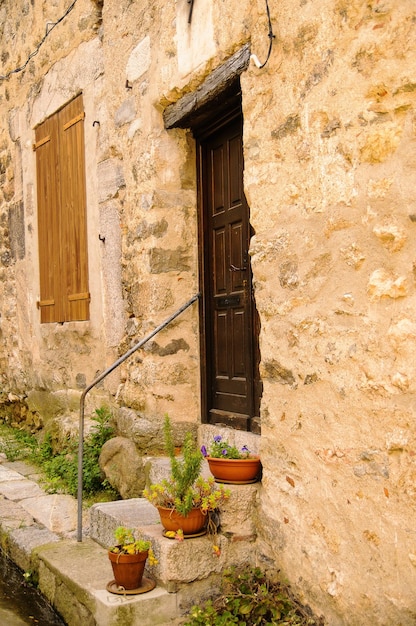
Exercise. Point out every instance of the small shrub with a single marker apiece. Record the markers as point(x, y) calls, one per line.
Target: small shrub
point(249, 599)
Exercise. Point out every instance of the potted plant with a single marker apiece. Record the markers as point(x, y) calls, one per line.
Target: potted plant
point(185, 501)
point(228, 464)
point(128, 559)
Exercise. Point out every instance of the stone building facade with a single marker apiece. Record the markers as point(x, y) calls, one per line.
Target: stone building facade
point(323, 96)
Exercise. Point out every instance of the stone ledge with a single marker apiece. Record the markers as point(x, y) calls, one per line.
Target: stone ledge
point(74, 576)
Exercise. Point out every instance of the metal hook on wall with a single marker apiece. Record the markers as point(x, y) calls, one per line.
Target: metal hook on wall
point(191, 2)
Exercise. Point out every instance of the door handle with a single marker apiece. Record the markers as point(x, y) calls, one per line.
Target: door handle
point(233, 268)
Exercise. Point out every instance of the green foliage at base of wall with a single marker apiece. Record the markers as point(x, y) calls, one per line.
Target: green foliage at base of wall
point(60, 469)
point(248, 598)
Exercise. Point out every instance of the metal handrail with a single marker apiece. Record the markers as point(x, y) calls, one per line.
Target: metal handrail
point(98, 380)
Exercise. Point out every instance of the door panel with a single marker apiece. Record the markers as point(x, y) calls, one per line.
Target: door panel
point(230, 329)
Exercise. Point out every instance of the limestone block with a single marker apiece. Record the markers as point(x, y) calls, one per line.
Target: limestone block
point(157, 608)
point(23, 541)
point(122, 466)
point(8, 474)
point(237, 438)
point(161, 260)
point(378, 188)
point(381, 143)
point(110, 179)
point(196, 44)
point(17, 231)
point(58, 512)
point(45, 403)
point(13, 515)
point(68, 76)
point(391, 236)
point(125, 113)
point(402, 332)
point(145, 434)
point(401, 381)
point(20, 489)
point(15, 124)
point(397, 439)
point(237, 515)
point(86, 565)
point(383, 285)
point(186, 561)
point(157, 469)
point(105, 517)
point(139, 60)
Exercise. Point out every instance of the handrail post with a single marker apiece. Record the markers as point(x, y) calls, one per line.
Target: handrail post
point(98, 380)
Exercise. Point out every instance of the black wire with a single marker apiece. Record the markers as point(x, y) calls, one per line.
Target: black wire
point(270, 35)
point(49, 29)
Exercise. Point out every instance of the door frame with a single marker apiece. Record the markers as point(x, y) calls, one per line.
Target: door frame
point(201, 110)
point(231, 111)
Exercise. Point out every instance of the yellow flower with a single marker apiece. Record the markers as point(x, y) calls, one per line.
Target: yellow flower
point(216, 550)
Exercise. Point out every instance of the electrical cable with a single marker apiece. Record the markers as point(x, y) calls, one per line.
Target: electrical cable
point(271, 36)
point(49, 28)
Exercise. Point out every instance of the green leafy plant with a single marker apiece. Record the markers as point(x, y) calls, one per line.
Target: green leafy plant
point(61, 468)
point(248, 598)
point(17, 444)
point(185, 488)
point(204, 494)
point(31, 578)
point(221, 449)
point(127, 543)
point(184, 472)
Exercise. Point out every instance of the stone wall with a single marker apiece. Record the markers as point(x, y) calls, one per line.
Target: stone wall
point(329, 148)
point(330, 166)
point(44, 367)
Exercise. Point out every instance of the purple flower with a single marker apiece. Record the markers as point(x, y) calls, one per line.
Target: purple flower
point(204, 451)
point(224, 452)
point(217, 438)
point(245, 449)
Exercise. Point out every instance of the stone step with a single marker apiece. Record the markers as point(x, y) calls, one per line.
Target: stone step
point(74, 576)
point(39, 535)
point(193, 559)
point(189, 569)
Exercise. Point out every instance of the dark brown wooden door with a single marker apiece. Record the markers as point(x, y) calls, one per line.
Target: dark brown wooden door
point(230, 317)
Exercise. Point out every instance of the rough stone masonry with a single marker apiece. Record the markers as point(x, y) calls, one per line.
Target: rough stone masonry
point(329, 174)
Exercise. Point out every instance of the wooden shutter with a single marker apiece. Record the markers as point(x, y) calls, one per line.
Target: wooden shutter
point(74, 219)
point(62, 224)
point(47, 175)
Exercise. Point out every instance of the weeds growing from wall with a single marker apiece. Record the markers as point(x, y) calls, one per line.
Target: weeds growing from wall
point(60, 469)
point(248, 598)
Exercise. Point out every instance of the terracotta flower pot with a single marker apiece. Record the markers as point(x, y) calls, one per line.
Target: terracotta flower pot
point(192, 524)
point(128, 569)
point(235, 470)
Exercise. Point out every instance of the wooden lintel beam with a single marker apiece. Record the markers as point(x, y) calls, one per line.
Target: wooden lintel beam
point(177, 115)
